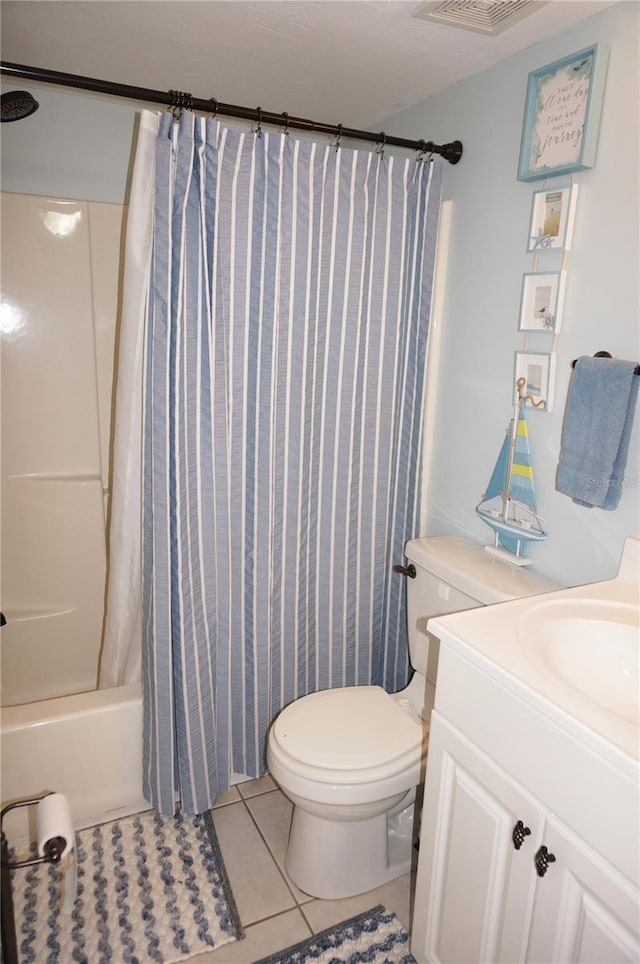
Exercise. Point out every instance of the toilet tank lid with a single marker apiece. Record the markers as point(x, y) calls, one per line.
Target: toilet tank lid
point(467, 567)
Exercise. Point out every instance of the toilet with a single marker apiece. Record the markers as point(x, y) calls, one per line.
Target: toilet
point(350, 759)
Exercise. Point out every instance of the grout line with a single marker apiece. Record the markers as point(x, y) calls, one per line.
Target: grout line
point(221, 806)
point(271, 853)
point(306, 920)
point(259, 793)
point(289, 910)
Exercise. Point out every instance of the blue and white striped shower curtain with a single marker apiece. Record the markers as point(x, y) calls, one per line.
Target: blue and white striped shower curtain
point(287, 326)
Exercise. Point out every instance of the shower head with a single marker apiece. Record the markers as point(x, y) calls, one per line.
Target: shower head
point(17, 104)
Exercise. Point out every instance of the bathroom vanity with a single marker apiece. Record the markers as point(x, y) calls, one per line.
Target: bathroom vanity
point(530, 837)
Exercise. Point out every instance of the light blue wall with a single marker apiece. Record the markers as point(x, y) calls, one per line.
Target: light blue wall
point(486, 264)
point(74, 146)
point(79, 146)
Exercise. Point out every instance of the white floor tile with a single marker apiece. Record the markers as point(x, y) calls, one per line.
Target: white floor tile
point(395, 896)
point(253, 787)
point(261, 939)
point(258, 886)
point(256, 872)
point(272, 813)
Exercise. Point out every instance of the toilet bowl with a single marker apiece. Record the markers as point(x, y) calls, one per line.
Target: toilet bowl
point(350, 759)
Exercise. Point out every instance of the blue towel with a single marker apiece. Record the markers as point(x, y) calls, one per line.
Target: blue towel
point(597, 427)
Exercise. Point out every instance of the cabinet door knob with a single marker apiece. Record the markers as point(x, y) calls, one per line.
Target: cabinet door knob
point(519, 833)
point(542, 860)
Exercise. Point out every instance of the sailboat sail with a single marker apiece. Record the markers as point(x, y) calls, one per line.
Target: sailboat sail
point(521, 470)
point(500, 469)
point(509, 504)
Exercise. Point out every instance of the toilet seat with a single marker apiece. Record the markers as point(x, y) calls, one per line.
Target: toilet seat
point(355, 734)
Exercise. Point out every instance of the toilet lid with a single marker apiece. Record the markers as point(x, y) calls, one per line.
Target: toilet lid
point(350, 728)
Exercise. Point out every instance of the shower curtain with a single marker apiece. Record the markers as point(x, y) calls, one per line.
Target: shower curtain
point(120, 658)
point(286, 331)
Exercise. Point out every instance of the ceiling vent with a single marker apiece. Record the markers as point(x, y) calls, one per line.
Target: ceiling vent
point(482, 16)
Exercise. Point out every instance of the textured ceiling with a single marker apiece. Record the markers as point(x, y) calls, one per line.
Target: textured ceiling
point(353, 62)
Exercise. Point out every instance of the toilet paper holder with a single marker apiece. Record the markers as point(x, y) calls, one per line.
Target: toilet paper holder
point(53, 849)
point(52, 854)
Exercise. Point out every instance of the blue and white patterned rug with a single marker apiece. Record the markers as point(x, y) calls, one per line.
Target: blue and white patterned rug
point(374, 937)
point(149, 888)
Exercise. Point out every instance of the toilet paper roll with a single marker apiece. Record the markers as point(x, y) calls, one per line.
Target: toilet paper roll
point(53, 819)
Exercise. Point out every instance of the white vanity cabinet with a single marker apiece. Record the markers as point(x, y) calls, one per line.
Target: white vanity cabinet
point(501, 762)
point(474, 882)
point(584, 910)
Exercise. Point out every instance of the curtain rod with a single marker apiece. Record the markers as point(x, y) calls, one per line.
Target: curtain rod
point(451, 152)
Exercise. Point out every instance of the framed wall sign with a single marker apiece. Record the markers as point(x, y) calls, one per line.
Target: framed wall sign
point(553, 212)
point(562, 115)
point(541, 301)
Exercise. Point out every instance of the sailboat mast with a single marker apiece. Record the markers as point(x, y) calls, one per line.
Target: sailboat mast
point(512, 448)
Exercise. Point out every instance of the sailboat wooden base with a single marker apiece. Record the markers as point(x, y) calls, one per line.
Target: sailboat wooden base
point(508, 556)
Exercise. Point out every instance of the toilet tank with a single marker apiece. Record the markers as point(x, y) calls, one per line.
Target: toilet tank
point(454, 574)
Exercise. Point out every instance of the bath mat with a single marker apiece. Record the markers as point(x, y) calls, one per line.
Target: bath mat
point(150, 888)
point(374, 937)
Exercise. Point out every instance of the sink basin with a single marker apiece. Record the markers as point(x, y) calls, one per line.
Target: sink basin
point(592, 645)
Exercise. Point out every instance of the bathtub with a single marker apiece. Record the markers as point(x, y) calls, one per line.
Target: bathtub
point(87, 746)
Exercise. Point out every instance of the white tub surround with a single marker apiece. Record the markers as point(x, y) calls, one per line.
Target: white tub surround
point(58, 309)
point(530, 828)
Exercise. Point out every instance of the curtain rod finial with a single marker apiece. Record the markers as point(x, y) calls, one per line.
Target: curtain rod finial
point(452, 151)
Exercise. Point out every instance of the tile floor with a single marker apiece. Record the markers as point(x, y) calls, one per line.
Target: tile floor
point(252, 822)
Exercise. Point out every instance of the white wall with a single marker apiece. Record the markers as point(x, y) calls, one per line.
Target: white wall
point(487, 259)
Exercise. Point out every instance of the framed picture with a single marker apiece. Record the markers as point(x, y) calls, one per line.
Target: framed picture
point(553, 212)
point(541, 301)
point(562, 115)
point(538, 370)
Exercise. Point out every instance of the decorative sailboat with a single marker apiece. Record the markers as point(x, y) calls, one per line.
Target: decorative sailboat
point(509, 504)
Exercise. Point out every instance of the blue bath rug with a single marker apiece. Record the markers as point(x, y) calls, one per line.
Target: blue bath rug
point(374, 937)
point(150, 888)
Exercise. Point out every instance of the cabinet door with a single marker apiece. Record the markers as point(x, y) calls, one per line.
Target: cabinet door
point(474, 889)
point(585, 911)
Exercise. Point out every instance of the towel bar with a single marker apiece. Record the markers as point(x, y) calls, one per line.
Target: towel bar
point(605, 354)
